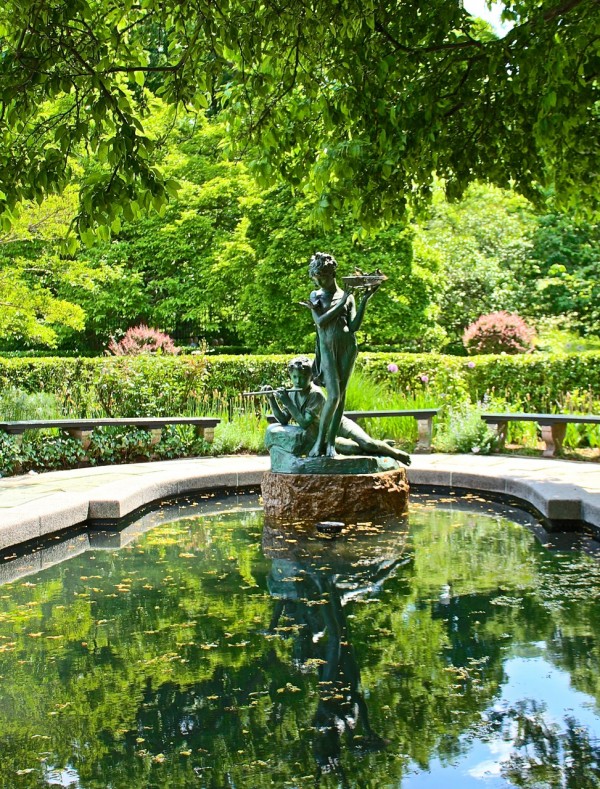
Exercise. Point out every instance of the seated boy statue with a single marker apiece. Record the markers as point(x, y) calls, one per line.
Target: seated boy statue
point(303, 405)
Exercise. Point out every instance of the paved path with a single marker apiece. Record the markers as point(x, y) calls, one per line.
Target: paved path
point(37, 504)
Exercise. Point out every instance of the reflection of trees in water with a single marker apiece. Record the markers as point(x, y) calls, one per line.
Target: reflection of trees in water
point(181, 661)
point(546, 754)
point(311, 587)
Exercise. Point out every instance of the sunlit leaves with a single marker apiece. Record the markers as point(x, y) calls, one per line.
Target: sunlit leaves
point(422, 89)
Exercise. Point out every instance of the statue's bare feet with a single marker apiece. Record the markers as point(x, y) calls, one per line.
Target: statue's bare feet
point(330, 451)
point(316, 451)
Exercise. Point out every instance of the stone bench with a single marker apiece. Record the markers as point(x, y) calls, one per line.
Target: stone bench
point(553, 427)
point(82, 429)
point(423, 417)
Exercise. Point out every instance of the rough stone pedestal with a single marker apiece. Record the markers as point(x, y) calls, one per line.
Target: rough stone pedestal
point(322, 497)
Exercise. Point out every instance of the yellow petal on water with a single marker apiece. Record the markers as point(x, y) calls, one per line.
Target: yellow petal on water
point(34, 635)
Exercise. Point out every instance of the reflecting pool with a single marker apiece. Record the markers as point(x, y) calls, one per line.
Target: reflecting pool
point(201, 647)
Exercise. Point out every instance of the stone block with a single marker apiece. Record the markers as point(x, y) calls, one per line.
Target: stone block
point(67, 510)
point(322, 497)
point(209, 480)
point(478, 482)
point(18, 527)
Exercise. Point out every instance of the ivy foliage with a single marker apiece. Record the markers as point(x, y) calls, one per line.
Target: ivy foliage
point(357, 102)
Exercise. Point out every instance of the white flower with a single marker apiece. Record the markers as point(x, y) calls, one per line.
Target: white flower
point(475, 450)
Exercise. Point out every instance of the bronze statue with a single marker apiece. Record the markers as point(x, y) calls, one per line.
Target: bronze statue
point(305, 404)
point(337, 318)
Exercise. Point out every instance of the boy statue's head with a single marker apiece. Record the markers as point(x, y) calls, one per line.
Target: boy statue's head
point(300, 370)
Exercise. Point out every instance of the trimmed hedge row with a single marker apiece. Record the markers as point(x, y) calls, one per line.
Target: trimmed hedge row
point(161, 385)
point(533, 382)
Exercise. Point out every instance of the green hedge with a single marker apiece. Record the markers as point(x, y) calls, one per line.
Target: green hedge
point(161, 385)
point(533, 382)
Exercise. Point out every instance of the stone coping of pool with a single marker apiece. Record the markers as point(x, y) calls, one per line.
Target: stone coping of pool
point(35, 505)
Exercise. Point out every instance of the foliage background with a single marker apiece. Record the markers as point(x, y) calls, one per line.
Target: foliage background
point(165, 386)
point(225, 261)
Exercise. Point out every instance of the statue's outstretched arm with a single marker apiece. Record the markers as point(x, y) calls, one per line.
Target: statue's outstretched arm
point(356, 320)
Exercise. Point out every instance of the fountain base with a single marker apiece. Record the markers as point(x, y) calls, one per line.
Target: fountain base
point(330, 496)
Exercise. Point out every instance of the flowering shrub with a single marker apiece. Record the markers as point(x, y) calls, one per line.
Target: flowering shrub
point(499, 332)
point(141, 339)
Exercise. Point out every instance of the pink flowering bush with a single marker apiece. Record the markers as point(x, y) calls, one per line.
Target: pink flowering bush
point(499, 332)
point(141, 339)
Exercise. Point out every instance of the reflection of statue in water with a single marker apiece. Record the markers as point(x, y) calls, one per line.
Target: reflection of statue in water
point(305, 404)
point(337, 319)
point(311, 592)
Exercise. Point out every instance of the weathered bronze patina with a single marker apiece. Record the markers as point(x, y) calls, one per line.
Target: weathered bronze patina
point(322, 463)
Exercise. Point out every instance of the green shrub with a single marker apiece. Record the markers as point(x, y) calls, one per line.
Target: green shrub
point(16, 405)
point(196, 384)
point(365, 394)
point(244, 432)
point(10, 455)
point(463, 430)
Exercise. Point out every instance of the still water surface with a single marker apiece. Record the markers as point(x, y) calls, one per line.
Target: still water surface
point(451, 649)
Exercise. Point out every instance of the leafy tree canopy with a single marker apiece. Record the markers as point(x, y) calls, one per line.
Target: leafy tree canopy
point(358, 102)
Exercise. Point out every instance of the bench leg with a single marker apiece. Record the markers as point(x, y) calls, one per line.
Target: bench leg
point(155, 436)
point(207, 433)
point(553, 436)
point(83, 436)
point(424, 427)
point(500, 428)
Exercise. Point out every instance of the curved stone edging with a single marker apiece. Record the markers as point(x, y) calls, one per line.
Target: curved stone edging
point(559, 490)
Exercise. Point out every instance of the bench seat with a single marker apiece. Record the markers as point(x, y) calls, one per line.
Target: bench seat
point(82, 428)
point(424, 418)
point(553, 426)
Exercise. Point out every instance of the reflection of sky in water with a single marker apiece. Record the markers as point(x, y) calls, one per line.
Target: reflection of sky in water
point(526, 678)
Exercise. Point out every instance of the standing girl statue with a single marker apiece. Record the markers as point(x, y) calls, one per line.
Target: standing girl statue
point(337, 319)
